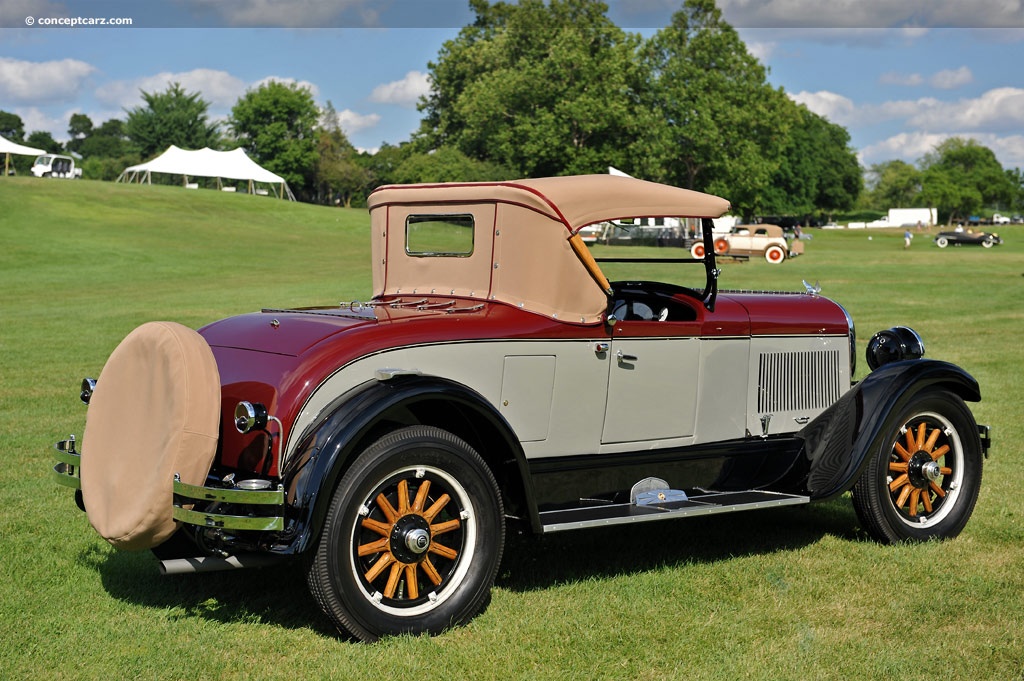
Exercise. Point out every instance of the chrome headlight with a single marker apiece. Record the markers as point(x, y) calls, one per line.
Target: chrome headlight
point(250, 416)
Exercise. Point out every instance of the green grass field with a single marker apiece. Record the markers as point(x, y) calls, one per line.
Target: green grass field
point(784, 594)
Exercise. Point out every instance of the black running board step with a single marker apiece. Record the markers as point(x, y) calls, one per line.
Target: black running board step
point(703, 504)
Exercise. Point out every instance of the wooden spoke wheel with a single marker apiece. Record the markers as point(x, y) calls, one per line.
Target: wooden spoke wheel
point(413, 537)
point(924, 483)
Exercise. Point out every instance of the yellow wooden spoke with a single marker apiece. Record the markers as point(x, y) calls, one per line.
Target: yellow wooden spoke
point(898, 467)
point(922, 430)
point(383, 529)
point(443, 551)
point(446, 526)
point(940, 452)
point(946, 471)
point(378, 567)
point(373, 547)
point(403, 497)
point(392, 585)
point(430, 571)
point(412, 588)
point(932, 439)
point(911, 442)
point(903, 496)
point(421, 497)
point(436, 508)
point(903, 453)
point(938, 490)
point(926, 499)
point(387, 508)
point(899, 482)
point(915, 499)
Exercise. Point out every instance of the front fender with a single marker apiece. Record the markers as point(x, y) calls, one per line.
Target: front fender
point(351, 423)
point(840, 441)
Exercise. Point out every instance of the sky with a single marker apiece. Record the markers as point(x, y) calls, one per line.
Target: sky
point(900, 75)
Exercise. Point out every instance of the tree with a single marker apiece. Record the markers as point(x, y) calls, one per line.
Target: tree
point(894, 184)
point(448, 164)
point(41, 139)
point(276, 125)
point(960, 176)
point(818, 172)
point(543, 88)
point(721, 127)
point(79, 128)
point(11, 126)
point(170, 117)
point(338, 174)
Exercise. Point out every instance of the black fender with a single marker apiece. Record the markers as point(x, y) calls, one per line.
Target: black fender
point(840, 441)
point(352, 422)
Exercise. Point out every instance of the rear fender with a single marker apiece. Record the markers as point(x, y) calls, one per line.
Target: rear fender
point(838, 443)
point(358, 418)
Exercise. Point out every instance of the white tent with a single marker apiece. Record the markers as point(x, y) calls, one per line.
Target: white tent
point(7, 147)
point(228, 165)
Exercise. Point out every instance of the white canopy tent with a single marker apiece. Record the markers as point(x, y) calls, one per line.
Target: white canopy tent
point(206, 162)
point(7, 147)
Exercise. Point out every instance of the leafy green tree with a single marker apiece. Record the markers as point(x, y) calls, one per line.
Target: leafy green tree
point(382, 164)
point(961, 176)
point(721, 127)
point(170, 117)
point(542, 88)
point(1016, 180)
point(818, 172)
point(276, 125)
point(106, 141)
point(41, 139)
point(79, 128)
point(339, 176)
point(11, 126)
point(894, 184)
point(448, 164)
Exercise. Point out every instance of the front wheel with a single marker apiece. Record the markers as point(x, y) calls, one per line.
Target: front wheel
point(697, 251)
point(413, 537)
point(775, 254)
point(987, 243)
point(923, 482)
point(942, 242)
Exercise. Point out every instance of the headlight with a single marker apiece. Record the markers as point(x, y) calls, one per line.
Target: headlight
point(894, 345)
point(250, 416)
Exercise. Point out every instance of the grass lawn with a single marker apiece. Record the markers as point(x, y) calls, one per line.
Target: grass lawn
point(796, 593)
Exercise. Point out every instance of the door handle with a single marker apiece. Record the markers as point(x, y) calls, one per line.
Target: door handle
point(625, 358)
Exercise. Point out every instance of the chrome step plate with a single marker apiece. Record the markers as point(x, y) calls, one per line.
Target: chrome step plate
point(699, 504)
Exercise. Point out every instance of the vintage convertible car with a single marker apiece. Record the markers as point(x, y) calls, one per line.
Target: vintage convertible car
point(969, 238)
point(767, 241)
point(496, 377)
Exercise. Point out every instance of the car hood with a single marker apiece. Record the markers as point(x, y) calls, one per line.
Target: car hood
point(285, 332)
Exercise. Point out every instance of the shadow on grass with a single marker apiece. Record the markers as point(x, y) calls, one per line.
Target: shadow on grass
point(538, 562)
point(278, 595)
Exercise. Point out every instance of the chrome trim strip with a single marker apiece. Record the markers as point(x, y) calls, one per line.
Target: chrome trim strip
point(269, 497)
point(228, 522)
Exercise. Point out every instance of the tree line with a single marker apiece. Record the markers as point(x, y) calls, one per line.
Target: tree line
point(553, 87)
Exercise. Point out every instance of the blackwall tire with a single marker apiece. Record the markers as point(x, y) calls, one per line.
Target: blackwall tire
point(923, 481)
point(697, 251)
point(413, 537)
point(775, 254)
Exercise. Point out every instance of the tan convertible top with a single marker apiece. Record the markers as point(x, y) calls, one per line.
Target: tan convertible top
point(526, 249)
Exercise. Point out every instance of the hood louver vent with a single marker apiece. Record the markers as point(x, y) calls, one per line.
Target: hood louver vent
point(797, 381)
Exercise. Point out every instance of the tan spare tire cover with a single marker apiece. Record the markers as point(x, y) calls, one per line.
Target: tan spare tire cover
point(155, 412)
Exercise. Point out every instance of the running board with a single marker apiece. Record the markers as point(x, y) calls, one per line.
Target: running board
point(703, 504)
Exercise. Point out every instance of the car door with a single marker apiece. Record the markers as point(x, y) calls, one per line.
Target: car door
point(653, 380)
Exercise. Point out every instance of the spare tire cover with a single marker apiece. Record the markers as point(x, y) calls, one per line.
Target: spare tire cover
point(155, 412)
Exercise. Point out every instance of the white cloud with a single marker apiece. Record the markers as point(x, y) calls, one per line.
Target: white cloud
point(952, 78)
point(834, 107)
point(353, 122)
point(761, 50)
point(292, 14)
point(313, 89)
point(911, 16)
point(405, 92)
point(896, 78)
point(47, 81)
point(910, 147)
point(219, 88)
point(1001, 109)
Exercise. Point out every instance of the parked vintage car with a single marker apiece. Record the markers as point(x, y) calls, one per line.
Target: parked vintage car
point(767, 241)
point(497, 377)
point(967, 238)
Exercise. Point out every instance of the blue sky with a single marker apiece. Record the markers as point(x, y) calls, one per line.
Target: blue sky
point(900, 75)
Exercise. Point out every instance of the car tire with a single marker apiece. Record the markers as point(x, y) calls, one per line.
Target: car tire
point(987, 243)
point(923, 481)
point(775, 254)
point(942, 242)
point(721, 246)
point(697, 251)
point(413, 537)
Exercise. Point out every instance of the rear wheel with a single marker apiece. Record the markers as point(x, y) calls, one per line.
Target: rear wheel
point(697, 251)
point(775, 254)
point(987, 243)
point(413, 537)
point(721, 246)
point(942, 242)
point(924, 481)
